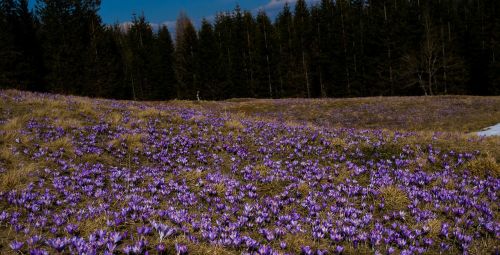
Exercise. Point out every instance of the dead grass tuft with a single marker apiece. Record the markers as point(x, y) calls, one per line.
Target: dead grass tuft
point(192, 176)
point(360, 250)
point(202, 249)
point(88, 226)
point(434, 227)
point(68, 123)
point(15, 124)
point(220, 188)
point(483, 167)
point(7, 155)
point(296, 242)
point(304, 189)
point(484, 246)
point(115, 118)
point(95, 158)
point(234, 125)
point(133, 141)
point(64, 143)
point(262, 170)
point(86, 108)
point(17, 176)
point(339, 142)
point(394, 198)
point(148, 113)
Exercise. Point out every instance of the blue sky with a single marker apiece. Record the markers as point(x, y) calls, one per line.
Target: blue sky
point(166, 11)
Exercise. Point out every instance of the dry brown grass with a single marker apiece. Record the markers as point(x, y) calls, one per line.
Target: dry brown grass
point(6, 154)
point(304, 189)
point(220, 188)
point(203, 249)
point(115, 118)
point(484, 166)
point(437, 113)
point(394, 198)
point(297, 241)
point(88, 226)
point(64, 143)
point(149, 113)
point(484, 246)
point(360, 250)
point(94, 158)
point(133, 141)
point(234, 125)
point(262, 170)
point(18, 176)
point(434, 227)
point(15, 124)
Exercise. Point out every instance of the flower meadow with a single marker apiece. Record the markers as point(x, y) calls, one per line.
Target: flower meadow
point(91, 176)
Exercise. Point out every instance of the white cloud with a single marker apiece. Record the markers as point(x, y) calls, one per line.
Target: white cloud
point(170, 24)
point(278, 3)
point(274, 4)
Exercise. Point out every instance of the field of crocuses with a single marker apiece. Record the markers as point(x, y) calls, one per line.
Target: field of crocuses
point(92, 176)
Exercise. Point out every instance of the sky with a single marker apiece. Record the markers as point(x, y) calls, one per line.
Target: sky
point(165, 12)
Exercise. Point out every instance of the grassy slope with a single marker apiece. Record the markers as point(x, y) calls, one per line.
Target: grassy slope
point(456, 117)
point(453, 116)
point(440, 113)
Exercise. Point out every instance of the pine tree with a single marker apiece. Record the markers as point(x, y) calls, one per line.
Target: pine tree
point(249, 53)
point(222, 31)
point(9, 55)
point(65, 36)
point(164, 68)
point(108, 66)
point(326, 48)
point(301, 42)
point(30, 65)
point(265, 62)
point(208, 63)
point(495, 49)
point(284, 35)
point(141, 41)
point(238, 78)
point(185, 58)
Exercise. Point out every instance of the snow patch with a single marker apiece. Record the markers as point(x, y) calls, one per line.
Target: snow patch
point(490, 131)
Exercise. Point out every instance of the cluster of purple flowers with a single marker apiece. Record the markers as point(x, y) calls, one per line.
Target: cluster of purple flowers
point(268, 188)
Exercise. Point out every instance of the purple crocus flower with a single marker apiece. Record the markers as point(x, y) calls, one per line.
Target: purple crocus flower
point(57, 243)
point(16, 245)
point(181, 249)
point(161, 249)
point(283, 245)
point(306, 250)
point(339, 249)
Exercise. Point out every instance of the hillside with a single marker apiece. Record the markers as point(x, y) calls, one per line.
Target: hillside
point(296, 176)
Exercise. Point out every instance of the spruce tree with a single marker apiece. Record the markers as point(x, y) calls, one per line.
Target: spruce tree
point(238, 78)
point(65, 41)
point(164, 68)
point(141, 41)
point(222, 33)
point(301, 42)
point(208, 63)
point(30, 64)
point(185, 58)
point(8, 55)
point(265, 62)
point(284, 36)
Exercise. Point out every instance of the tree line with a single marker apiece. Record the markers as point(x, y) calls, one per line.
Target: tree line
point(342, 48)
